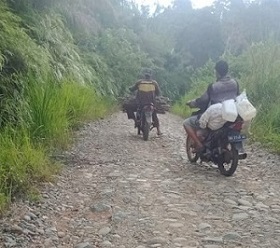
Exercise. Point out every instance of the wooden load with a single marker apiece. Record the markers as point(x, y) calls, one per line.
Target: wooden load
point(162, 104)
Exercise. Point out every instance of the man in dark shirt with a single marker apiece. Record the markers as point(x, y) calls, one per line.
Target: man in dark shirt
point(224, 88)
point(147, 90)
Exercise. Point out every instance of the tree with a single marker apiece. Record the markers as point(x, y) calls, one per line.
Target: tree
point(201, 39)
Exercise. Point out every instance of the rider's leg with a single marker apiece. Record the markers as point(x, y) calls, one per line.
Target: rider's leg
point(191, 132)
point(130, 114)
point(190, 126)
point(138, 115)
point(156, 123)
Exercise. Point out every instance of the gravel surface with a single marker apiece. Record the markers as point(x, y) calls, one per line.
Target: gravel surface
point(117, 190)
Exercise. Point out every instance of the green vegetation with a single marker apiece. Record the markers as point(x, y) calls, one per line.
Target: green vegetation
point(55, 109)
point(63, 63)
point(22, 163)
point(48, 116)
point(261, 80)
point(46, 90)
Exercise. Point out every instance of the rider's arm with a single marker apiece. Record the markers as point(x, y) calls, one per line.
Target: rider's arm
point(191, 104)
point(202, 101)
point(134, 87)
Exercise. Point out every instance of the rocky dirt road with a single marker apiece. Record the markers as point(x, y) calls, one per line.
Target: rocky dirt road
point(118, 191)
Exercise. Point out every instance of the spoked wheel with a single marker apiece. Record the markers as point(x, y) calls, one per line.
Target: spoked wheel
point(229, 160)
point(190, 149)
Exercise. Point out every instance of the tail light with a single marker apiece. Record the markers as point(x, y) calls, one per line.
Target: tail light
point(237, 125)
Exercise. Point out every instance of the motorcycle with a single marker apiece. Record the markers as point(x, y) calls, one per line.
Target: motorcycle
point(223, 147)
point(144, 121)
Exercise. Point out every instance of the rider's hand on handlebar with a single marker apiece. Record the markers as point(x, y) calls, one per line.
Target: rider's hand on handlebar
point(189, 103)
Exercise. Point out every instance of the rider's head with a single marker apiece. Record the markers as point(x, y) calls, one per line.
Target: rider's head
point(221, 68)
point(148, 74)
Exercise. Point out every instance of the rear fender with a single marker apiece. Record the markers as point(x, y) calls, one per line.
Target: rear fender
point(239, 147)
point(148, 117)
point(148, 112)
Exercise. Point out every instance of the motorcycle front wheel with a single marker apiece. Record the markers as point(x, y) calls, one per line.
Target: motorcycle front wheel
point(228, 161)
point(192, 155)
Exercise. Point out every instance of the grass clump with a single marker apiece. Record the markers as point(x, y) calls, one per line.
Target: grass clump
point(47, 117)
point(261, 80)
point(22, 164)
point(54, 109)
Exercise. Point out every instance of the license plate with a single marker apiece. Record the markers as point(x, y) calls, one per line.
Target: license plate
point(236, 137)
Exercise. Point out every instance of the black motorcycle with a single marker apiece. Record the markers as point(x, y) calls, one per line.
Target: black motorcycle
point(223, 147)
point(144, 121)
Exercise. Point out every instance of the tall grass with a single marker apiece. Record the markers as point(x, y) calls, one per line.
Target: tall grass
point(261, 80)
point(50, 113)
point(22, 164)
point(56, 108)
point(37, 114)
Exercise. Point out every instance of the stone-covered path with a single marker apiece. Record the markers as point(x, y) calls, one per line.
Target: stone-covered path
point(117, 190)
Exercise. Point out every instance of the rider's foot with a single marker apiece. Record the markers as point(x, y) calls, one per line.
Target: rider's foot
point(159, 133)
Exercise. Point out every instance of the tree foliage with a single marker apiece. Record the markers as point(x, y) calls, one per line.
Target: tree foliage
point(106, 42)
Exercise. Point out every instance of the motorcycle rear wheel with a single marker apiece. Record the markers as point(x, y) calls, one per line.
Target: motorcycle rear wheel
point(146, 130)
point(192, 156)
point(228, 165)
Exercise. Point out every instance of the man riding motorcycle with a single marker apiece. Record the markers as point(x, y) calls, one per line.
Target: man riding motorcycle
point(224, 88)
point(147, 90)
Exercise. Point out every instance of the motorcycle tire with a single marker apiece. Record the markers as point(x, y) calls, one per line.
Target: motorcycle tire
point(233, 161)
point(146, 130)
point(192, 156)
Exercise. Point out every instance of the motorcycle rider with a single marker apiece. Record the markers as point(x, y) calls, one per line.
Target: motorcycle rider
point(224, 88)
point(147, 90)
